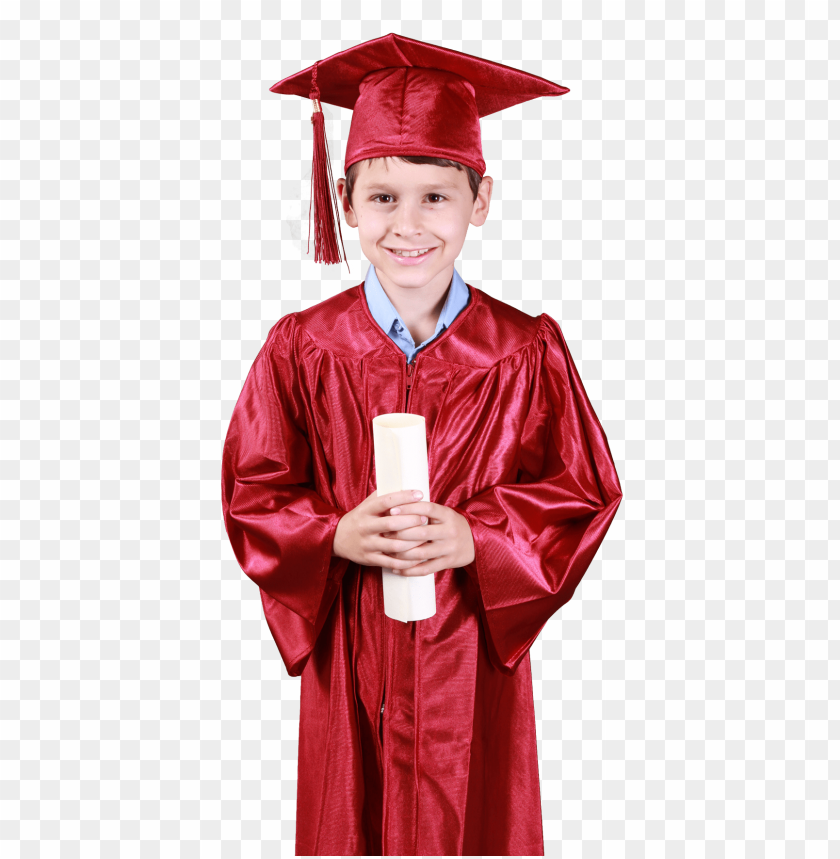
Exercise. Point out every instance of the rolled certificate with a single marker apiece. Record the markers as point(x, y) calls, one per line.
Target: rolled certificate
point(401, 462)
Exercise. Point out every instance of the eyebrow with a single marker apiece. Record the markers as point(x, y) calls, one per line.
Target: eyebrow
point(448, 186)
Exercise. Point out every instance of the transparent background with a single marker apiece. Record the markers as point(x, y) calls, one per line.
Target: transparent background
point(672, 212)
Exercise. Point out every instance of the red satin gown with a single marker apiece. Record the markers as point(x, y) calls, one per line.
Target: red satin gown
point(450, 767)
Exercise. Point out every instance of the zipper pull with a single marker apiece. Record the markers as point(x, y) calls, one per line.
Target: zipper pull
point(410, 370)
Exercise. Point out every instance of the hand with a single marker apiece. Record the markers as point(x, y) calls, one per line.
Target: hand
point(359, 535)
point(445, 543)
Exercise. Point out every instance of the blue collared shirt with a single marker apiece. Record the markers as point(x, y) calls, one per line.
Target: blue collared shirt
point(384, 312)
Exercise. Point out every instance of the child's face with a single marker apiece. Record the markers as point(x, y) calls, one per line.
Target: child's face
point(398, 205)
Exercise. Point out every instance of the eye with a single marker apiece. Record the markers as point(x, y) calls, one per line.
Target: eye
point(378, 197)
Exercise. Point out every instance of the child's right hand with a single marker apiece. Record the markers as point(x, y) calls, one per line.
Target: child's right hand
point(359, 533)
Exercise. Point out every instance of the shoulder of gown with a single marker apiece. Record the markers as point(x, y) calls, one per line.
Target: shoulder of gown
point(486, 331)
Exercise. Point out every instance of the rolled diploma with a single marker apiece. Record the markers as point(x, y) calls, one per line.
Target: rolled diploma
point(401, 461)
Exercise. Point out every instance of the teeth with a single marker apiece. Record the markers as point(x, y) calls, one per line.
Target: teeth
point(411, 253)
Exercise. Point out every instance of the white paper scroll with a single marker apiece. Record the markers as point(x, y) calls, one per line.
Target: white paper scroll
point(401, 461)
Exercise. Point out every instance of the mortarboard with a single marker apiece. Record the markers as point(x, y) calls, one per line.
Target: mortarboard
point(407, 98)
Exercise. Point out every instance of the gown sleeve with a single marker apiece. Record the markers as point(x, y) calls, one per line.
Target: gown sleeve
point(280, 529)
point(534, 539)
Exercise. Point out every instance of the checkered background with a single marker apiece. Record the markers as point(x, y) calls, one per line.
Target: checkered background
point(671, 211)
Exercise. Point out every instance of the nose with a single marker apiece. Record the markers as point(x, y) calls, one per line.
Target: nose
point(407, 219)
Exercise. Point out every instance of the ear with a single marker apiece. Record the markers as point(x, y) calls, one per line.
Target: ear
point(349, 214)
point(481, 206)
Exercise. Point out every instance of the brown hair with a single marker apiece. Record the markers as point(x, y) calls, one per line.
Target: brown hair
point(472, 175)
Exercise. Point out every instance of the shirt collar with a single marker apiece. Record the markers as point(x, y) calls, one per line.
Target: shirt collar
point(384, 312)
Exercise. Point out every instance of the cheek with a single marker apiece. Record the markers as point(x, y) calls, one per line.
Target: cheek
point(450, 229)
point(371, 225)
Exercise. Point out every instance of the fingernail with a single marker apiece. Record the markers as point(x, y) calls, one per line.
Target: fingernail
point(424, 520)
point(395, 510)
point(418, 494)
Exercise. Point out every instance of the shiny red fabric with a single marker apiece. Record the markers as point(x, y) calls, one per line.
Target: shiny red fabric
point(515, 446)
point(415, 98)
point(410, 111)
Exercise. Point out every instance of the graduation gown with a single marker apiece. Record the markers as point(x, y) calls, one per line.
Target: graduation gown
point(514, 445)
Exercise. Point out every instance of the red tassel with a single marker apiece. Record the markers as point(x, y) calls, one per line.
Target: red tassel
point(322, 189)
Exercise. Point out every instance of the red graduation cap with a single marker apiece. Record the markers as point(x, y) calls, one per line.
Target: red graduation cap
point(407, 98)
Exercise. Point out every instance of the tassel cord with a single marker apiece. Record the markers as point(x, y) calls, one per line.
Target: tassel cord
point(327, 215)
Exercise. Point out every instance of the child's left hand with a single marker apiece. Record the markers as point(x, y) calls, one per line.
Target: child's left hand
point(448, 534)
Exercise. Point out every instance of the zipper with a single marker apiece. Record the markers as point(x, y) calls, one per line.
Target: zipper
point(408, 382)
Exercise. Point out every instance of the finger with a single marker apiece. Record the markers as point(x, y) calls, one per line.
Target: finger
point(378, 522)
point(407, 552)
point(388, 543)
point(438, 561)
point(403, 543)
point(398, 547)
point(400, 523)
point(422, 508)
point(402, 556)
point(392, 499)
point(377, 559)
point(417, 568)
point(425, 569)
point(414, 534)
point(426, 554)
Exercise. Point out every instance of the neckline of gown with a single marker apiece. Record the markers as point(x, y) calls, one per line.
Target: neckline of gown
point(362, 299)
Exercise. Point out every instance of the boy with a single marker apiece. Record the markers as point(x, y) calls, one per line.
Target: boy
point(418, 737)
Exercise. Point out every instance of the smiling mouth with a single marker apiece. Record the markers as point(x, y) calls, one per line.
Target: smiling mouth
point(409, 254)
